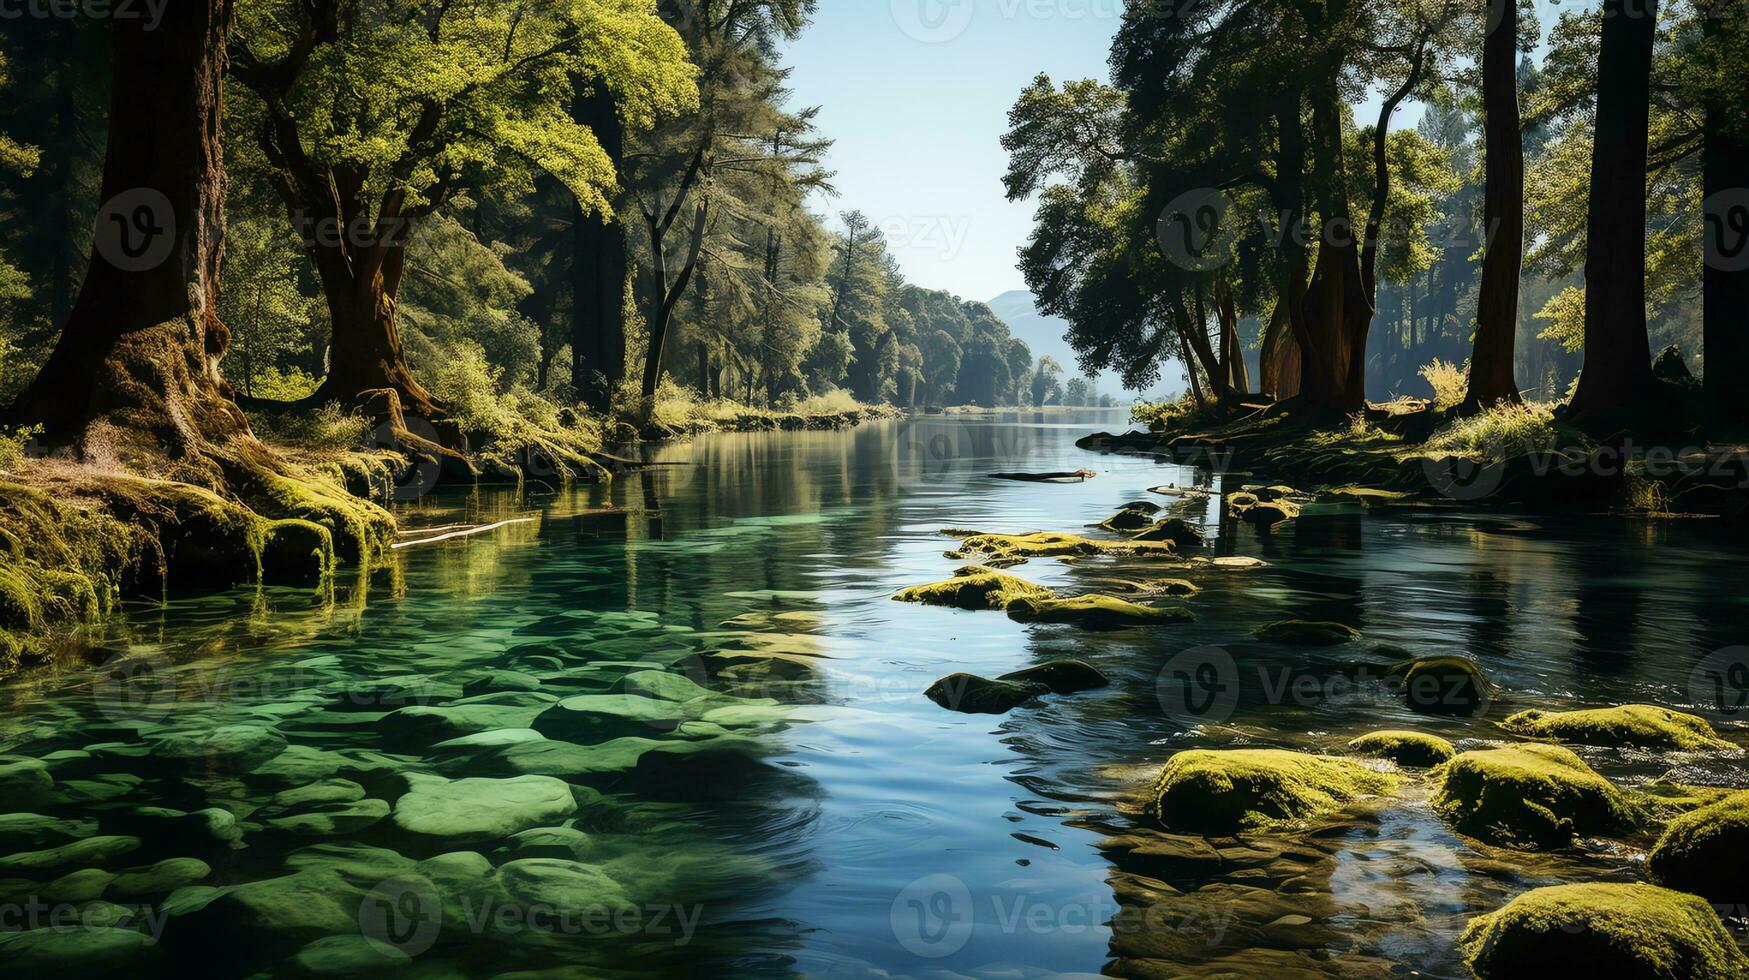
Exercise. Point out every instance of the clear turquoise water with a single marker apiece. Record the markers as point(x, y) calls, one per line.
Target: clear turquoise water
point(876, 831)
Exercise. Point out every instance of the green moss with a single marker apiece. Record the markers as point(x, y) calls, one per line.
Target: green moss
point(1174, 531)
point(1301, 633)
point(975, 587)
point(1222, 792)
point(1706, 852)
point(1640, 725)
point(1530, 796)
point(1603, 930)
point(1443, 685)
point(1405, 748)
point(1093, 611)
point(1017, 548)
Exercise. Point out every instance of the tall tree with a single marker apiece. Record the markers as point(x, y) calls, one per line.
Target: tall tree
point(600, 263)
point(1491, 366)
point(134, 378)
point(1723, 55)
point(1618, 358)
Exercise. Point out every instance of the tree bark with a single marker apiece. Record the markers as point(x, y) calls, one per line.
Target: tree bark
point(366, 354)
point(1238, 376)
point(1725, 284)
point(1618, 357)
point(1338, 311)
point(667, 295)
point(135, 377)
point(1491, 364)
point(598, 272)
point(1293, 268)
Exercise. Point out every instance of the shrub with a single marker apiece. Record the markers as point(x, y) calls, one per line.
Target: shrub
point(12, 445)
point(1163, 415)
point(1449, 382)
point(290, 385)
point(328, 428)
point(1501, 431)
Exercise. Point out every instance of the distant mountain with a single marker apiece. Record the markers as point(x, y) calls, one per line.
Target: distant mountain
point(1045, 335)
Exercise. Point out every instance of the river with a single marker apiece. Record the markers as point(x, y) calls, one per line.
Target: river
point(832, 822)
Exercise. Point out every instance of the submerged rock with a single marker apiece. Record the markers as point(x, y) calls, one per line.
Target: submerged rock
point(1175, 531)
point(975, 587)
point(1405, 748)
point(1061, 676)
point(24, 783)
point(348, 958)
point(1150, 587)
point(1530, 796)
point(1133, 517)
point(449, 812)
point(89, 852)
point(261, 919)
point(591, 718)
point(158, 879)
point(1443, 685)
point(63, 951)
point(1304, 633)
point(230, 748)
point(1706, 852)
point(976, 695)
point(1205, 791)
point(1603, 930)
point(1099, 612)
point(1642, 726)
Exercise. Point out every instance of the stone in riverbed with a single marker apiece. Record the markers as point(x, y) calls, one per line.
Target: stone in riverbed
point(257, 921)
point(227, 748)
point(25, 783)
point(1443, 685)
point(199, 832)
point(358, 863)
point(318, 794)
point(347, 958)
point(332, 819)
point(975, 587)
point(562, 884)
point(448, 812)
point(76, 888)
point(1211, 792)
point(567, 843)
point(26, 831)
point(1133, 517)
point(663, 684)
point(1603, 930)
point(62, 951)
point(1061, 676)
point(1096, 612)
point(1530, 796)
point(89, 852)
point(1706, 852)
point(974, 695)
point(590, 718)
point(422, 726)
point(1405, 748)
point(1639, 725)
point(1305, 633)
point(498, 681)
point(158, 879)
point(1179, 533)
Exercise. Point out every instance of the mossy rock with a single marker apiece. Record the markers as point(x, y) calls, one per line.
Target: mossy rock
point(1706, 852)
point(1530, 797)
point(1129, 520)
point(975, 587)
point(974, 695)
point(1099, 612)
point(1304, 633)
point(1204, 791)
point(1405, 748)
point(1642, 726)
point(1061, 676)
point(1631, 931)
point(1014, 549)
point(296, 553)
point(1175, 531)
point(1443, 685)
point(1150, 587)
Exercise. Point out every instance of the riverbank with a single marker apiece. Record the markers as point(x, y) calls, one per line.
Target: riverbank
point(81, 539)
point(1411, 454)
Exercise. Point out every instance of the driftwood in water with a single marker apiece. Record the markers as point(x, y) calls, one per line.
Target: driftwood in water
point(1078, 476)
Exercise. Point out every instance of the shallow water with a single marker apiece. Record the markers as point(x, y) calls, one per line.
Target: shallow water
point(837, 823)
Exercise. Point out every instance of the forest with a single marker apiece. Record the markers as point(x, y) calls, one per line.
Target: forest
point(485, 491)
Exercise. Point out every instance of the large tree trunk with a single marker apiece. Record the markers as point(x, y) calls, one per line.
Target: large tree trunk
point(598, 273)
point(1238, 376)
point(1288, 354)
point(1338, 311)
point(1726, 278)
point(1618, 357)
point(134, 378)
point(1491, 368)
point(366, 353)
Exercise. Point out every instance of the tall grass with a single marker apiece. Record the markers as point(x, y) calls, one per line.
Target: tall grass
point(1450, 383)
point(1501, 431)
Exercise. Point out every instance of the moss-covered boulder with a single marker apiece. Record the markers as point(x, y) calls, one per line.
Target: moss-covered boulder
point(1706, 852)
point(975, 587)
point(1100, 612)
point(1132, 518)
point(1179, 533)
point(1530, 796)
point(1061, 676)
point(974, 695)
point(1204, 791)
point(1639, 725)
point(1304, 633)
point(1443, 685)
point(1014, 549)
point(296, 553)
point(1405, 748)
point(1603, 930)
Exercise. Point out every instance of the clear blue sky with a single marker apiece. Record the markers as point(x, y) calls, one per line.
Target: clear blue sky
point(916, 95)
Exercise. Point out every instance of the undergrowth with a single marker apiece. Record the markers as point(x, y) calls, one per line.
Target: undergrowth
point(1502, 431)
